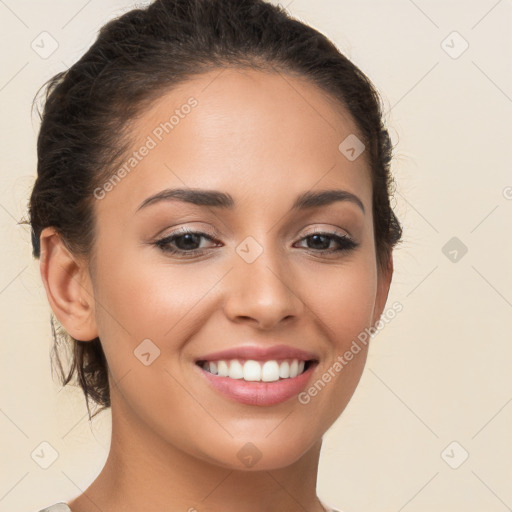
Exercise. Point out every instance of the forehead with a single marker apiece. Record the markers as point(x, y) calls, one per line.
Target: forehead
point(254, 134)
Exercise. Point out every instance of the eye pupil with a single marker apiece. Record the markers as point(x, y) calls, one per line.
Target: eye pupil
point(317, 238)
point(189, 238)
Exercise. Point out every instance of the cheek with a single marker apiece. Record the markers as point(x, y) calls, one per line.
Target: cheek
point(140, 300)
point(342, 302)
point(341, 299)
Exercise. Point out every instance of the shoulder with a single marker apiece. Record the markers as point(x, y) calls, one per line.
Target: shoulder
point(58, 507)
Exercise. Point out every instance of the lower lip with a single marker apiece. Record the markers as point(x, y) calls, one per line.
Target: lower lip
point(260, 393)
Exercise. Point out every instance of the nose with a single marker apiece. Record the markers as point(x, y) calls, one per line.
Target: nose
point(261, 293)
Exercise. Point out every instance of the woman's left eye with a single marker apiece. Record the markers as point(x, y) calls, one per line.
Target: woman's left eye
point(344, 242)
point(188, 243)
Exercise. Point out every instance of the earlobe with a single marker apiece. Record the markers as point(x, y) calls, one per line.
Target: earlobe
point(68, 289)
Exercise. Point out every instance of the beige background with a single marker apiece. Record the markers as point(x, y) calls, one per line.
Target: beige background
point(438, 373)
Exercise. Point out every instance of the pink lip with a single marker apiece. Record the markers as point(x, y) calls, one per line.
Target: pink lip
point(259, 393)
point(260, 353)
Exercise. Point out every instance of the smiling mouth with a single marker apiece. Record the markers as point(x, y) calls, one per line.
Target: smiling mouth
point(251, 370)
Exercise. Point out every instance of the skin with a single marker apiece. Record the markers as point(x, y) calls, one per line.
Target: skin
point(264, 138)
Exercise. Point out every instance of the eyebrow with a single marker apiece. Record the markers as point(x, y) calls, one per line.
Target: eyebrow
point(217, 199)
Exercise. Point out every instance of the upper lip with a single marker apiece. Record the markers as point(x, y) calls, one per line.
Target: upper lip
point(260, 353)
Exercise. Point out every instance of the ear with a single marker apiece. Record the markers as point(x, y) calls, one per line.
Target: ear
point(68, 287)
point(383, 284)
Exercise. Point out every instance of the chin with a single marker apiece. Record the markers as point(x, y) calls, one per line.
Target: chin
point(261, 453)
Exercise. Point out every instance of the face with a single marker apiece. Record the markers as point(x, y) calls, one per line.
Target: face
point(257, 276)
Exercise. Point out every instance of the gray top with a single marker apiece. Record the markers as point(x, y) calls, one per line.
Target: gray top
point(63, 507)
point(58, 507)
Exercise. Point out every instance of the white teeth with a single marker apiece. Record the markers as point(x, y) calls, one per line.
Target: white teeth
point(253, 371)
point(294, 368)
point(222, 369)
point(270, 371)
point(235, 370)
point(284, 370)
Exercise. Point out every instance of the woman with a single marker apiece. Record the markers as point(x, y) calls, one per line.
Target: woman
point(212, 216)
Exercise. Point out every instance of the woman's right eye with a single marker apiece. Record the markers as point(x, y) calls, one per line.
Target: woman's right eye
point(183, 242)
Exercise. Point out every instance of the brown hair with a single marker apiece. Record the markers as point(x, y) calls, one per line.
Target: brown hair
point(85, 125)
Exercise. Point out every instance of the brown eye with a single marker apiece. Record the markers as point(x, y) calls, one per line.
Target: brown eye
point(183, 242)
point(321, 242)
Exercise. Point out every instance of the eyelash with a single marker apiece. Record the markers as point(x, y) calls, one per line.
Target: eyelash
point(345, 242)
